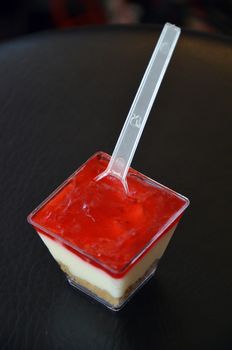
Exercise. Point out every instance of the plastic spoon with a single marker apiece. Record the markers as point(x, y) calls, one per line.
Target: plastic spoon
point(141, 106)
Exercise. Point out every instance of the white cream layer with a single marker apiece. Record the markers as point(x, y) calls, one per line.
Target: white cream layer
point(99, 278)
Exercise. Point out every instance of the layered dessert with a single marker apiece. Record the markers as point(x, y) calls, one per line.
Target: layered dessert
point(108, 242)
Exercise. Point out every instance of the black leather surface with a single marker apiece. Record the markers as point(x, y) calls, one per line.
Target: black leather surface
point(64, 96)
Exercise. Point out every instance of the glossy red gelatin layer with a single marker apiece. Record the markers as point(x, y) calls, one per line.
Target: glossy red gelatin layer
point(103, 224)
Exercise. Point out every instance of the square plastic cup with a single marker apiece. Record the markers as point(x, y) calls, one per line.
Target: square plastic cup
point(108, 245)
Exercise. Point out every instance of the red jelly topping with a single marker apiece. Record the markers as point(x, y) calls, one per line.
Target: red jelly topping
point(99, 218)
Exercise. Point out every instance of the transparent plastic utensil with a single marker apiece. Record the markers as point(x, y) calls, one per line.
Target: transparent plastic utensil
point(141, 106)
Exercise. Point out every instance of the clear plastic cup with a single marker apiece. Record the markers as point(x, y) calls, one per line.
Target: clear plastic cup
point(108, 247)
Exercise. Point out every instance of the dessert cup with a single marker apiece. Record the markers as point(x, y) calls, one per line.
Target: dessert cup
point(108, 243)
